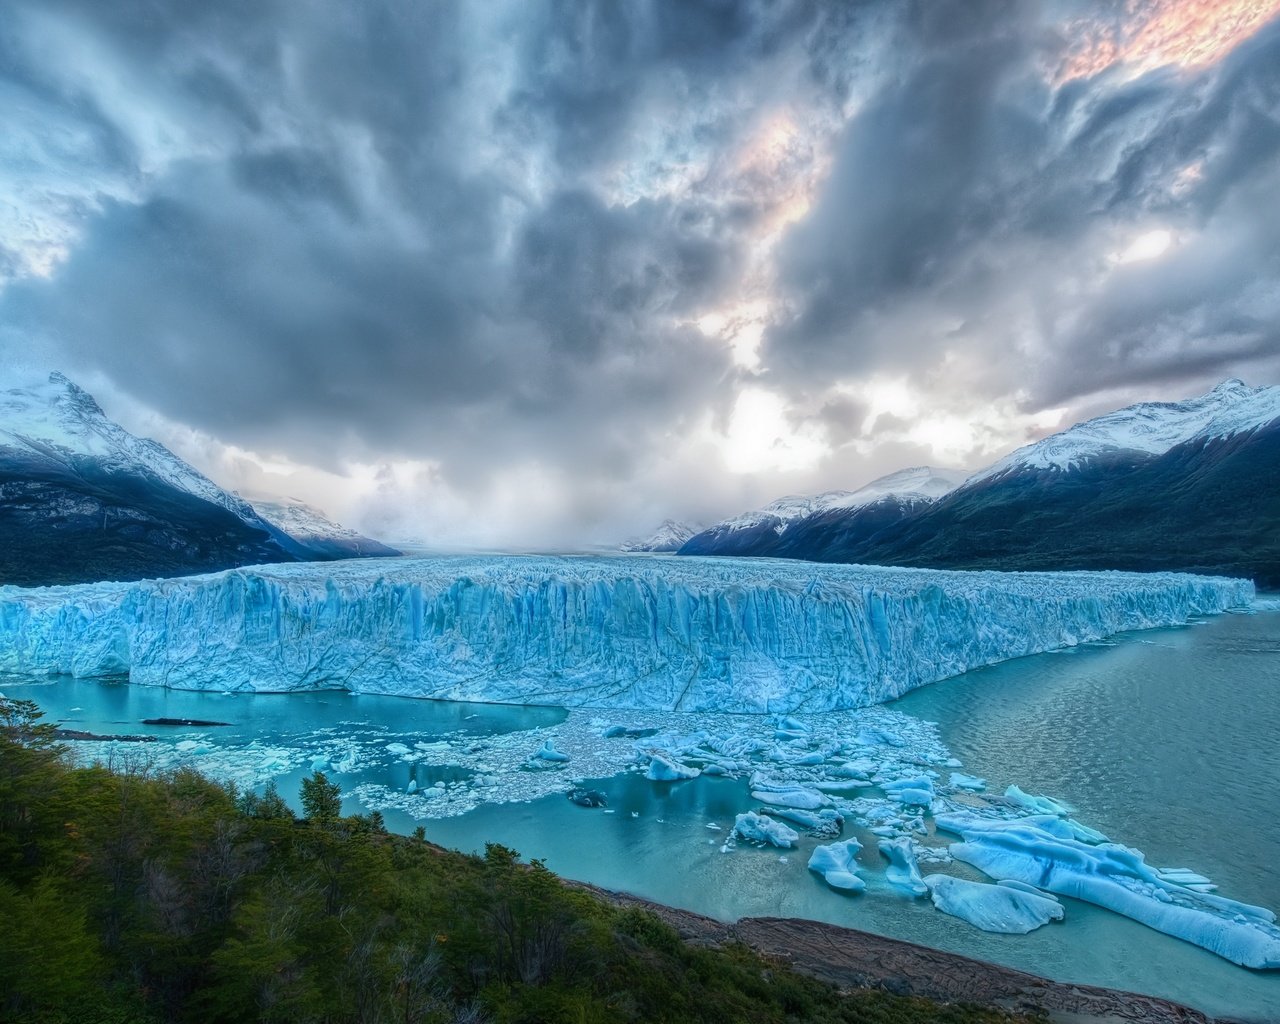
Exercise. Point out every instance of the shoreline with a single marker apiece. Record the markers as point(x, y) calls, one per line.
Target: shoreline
point(849, 958)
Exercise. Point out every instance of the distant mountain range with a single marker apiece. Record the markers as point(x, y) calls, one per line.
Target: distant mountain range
point(320, 535)
point(762, 531)
point(82, 499)
point(668, 537)
point(1191, 485)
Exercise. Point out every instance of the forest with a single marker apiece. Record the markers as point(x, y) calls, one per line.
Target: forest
point(132, 895)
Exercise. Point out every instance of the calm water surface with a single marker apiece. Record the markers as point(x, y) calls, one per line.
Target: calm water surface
point(1169, 741)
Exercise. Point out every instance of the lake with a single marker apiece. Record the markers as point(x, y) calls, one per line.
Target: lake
point(1166, 740)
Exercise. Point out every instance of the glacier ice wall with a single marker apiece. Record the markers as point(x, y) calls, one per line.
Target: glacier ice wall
point(683, 634)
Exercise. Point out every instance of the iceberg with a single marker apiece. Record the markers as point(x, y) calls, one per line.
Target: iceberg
point(1119, 879)
point(653, 633)
point(902, 871)
point(916, 792)
point(663, 769)
point(837, 864)
point(548, 752)
point(756, 828)
point(1005, 909)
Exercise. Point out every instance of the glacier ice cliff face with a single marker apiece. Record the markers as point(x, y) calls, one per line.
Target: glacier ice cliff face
point(683, 634)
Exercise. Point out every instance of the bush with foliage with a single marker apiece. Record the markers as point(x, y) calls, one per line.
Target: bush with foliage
point(128, 895)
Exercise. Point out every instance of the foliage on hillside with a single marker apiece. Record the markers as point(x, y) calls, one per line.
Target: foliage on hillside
point(132, 896)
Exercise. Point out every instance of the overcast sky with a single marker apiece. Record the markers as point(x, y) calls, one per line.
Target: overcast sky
point(537, 274)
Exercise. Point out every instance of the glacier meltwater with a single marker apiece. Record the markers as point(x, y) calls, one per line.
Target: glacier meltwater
point(680, 634)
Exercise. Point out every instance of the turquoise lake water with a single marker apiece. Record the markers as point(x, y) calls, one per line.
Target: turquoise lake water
point(1168, 741)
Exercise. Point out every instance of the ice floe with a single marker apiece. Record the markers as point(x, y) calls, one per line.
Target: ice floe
point(837, 864)
point(993, 908)
point(757, 828)
point(1119, 879)
point(902, 872)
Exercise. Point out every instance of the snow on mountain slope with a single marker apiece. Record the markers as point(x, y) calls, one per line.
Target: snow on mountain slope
point(684, 633)
point(311, 527)
point(919, 483)
point(1149, 428)
point(925, 483)
point(55, 420)
point(667, 537)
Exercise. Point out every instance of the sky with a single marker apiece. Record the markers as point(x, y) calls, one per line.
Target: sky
point(535, 275)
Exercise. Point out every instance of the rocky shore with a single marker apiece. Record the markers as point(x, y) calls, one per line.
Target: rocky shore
point(854, 959)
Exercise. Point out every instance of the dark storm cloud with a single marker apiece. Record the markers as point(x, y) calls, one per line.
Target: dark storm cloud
point(476, 234)
point(968, 155)
point(270, 290)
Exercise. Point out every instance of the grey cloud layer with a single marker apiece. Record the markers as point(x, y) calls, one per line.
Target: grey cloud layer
point(474, 232)
point(973, 208)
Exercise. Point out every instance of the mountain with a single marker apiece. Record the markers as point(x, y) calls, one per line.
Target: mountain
point(1192, 485)
point(667, 537)
point(765, 531)
point(82, 499)
point(316, 531)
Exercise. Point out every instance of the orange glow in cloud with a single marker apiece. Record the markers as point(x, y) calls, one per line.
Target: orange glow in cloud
point(1155, 33)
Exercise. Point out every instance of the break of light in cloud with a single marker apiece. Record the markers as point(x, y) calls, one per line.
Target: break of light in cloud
point(1154, 33)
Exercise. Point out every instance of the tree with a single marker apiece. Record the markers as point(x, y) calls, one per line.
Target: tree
point(32, 775)
point(321, 799)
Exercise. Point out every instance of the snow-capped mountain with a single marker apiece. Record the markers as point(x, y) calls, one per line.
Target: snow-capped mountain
point(1150, 428)
point(56, 421)
point(82, 499)
point(1190, 485)
point(757, 532)
point(669, 536)
point(917, 484)
point(311, 527)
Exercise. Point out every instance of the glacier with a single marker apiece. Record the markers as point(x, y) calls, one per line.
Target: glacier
point(654, 633)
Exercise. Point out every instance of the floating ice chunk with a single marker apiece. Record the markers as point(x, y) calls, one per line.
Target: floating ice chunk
point(663, 769)
point(993, 908)
point(842, 786)
point(1118, 879)
point(399, 749)
point(587, 797)
point(1185, 876)
point(412, 787)
point(824, 824)
point(917, 792)
point(1011, 883)
point(959, 780)
point(837, 864)
point(548, 752)
point(869, 736)
point(1036, 804)
point(798, 797)
point(902, 871)
point(757, 828)
point(319, 763)
point(715, 769)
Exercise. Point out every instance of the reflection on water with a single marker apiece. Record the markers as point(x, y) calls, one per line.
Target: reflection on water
point(1167, 741)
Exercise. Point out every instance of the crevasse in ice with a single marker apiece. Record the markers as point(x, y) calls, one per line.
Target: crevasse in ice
point(684, 634)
